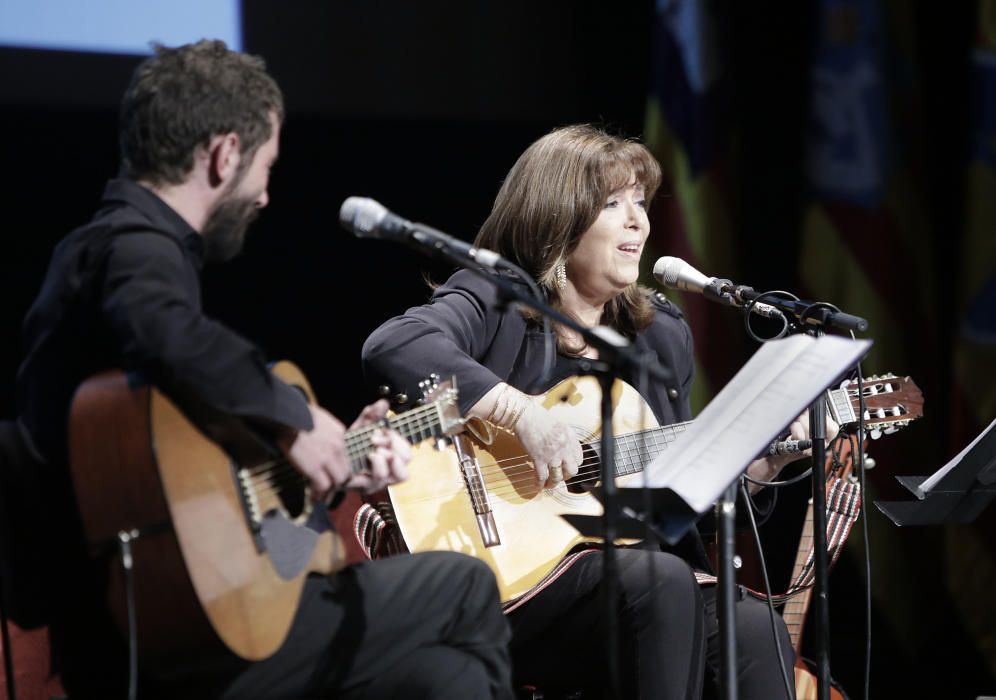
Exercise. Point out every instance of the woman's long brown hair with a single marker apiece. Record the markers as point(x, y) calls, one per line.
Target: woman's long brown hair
point(552, 196)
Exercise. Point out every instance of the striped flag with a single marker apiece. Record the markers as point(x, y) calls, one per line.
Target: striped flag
point(867, 247)
point(971, 560)
point(687, 130)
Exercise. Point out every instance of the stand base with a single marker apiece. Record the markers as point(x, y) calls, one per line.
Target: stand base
point(936, 507)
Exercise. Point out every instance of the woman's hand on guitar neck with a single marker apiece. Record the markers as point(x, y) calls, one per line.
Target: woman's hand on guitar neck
point(320, 454)
point(767, 468)
point(551, 444)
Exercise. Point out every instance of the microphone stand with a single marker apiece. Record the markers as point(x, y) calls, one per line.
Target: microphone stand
point(818, 432)
point(615, 354)
point(820, 316)
point(726, 515)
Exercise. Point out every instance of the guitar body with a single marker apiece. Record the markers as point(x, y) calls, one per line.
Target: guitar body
point(434, 509)
point(893, 403)
point(204, 579)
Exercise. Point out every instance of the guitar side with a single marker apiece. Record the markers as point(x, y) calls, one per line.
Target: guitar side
point(434, 511)
point(201, 583)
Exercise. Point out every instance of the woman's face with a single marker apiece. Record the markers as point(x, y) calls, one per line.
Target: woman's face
point(607, 258)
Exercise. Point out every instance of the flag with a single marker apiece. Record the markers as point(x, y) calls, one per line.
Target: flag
point(687, 128)
point(971, 549)
point(867, 247)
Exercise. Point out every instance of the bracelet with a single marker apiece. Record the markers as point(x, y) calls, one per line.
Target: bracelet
point(516, 415)
point(494, 408)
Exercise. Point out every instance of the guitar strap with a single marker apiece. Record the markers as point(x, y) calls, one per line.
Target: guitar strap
point(377, 531)
point(843, 508)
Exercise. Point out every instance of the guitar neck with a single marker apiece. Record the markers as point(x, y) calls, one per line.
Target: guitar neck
point(633, 451)
point(796, 608)
point(415, 426)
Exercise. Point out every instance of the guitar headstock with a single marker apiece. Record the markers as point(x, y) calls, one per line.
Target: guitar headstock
point(890, 403)
point(443, 397)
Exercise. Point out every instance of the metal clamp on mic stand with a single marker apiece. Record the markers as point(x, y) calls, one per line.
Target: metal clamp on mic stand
point(367, 218)
point(806, 317)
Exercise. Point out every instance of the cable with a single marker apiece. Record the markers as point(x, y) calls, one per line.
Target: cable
point(750, 305)
point(747, 316)
point(816, 306)
point(864, 530)
point(787, 482)
point(789, 685)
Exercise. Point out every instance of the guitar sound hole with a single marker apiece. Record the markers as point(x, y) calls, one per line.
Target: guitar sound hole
point(588, 473)
point(293, 498)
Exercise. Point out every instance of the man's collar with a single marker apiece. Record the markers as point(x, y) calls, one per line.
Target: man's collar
point(160, 215)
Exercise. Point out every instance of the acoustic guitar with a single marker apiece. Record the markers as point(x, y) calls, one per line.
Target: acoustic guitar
point(480, 496)
point(219, 545)
point(839, 465)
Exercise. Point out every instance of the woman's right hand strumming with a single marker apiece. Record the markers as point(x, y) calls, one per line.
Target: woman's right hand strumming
point(551, 444)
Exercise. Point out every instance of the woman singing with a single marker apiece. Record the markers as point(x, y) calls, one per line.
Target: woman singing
point(573, 214)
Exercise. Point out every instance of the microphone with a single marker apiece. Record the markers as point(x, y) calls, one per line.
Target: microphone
point(788, 447)
point(675, 273)
point(368, 218)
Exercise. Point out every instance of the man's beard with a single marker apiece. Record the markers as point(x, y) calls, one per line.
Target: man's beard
point(225, 230)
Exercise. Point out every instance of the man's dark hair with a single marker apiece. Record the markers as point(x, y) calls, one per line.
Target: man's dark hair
point(181, 97)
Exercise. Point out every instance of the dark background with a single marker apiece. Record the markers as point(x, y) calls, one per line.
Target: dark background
point(425, 106)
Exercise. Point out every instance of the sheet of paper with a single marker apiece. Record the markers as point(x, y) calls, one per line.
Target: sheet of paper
point(777, 384)
point(930, 482)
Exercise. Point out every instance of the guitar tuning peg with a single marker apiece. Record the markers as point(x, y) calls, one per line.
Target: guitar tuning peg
point(428, 385)
point(384, 390)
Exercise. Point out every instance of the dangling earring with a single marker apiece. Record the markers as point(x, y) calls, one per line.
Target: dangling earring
point(560, 272)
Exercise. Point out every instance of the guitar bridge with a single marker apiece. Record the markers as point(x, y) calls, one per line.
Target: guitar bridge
point(470, 467)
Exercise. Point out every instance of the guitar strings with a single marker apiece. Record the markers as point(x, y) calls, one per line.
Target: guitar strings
point(588, 472)
point(269, 477)
point(627, 446)
point(669, 433)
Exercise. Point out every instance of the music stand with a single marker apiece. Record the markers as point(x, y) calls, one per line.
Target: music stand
point(955, 493)
point(703, 464)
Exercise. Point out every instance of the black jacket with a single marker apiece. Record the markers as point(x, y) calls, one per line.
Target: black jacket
point(463, 332)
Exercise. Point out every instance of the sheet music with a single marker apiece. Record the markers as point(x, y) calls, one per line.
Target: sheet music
point(931, 482)
point(777, 384)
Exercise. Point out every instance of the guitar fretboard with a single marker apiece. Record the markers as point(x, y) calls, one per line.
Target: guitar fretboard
point(633, 451)
point(795, 610)
point(415, 426)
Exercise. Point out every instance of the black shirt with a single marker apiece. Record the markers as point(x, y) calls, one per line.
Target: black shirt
point(124, 291)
